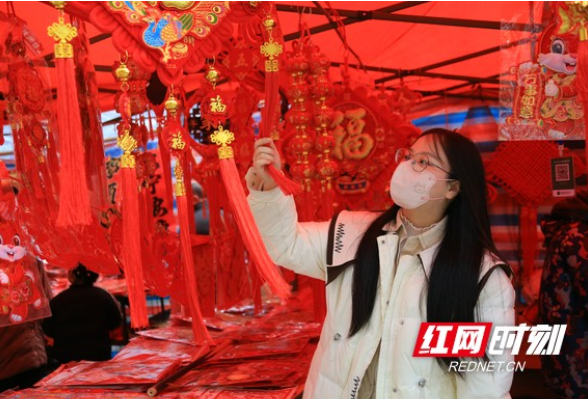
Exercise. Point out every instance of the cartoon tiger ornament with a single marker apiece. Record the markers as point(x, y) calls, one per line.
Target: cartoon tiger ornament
point(19, 290)
point(546, 103)
point(561, 109)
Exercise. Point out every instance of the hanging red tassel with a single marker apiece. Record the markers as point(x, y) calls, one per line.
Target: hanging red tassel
point(175, 137)
point(53, 162)
point(256, 290)
point(190, 197)
point(251, 236)
point(74, 202)
point(51, 203)
point(164, 152)
point(131, 255)
point(287, 185)
point(147, 227)
point(201, 334)
point(131, 220)
point(29, 164)
point(236, 197)
point(272, 50)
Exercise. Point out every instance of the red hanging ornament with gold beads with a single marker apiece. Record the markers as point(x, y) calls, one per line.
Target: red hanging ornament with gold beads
point(74, 200)
point(238, 202)
point(131, 251)
point(272, 49)
point(176, 138)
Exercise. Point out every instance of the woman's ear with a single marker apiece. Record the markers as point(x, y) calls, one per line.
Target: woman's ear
point(453, 189)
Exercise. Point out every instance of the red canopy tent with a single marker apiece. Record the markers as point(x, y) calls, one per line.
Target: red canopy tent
point(436, 48)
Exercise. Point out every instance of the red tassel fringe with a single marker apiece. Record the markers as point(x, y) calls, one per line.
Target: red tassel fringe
point(201, 334)
point(131, 256)
point(288, 186)
point(53, 162)
point(272, 88)
point(256, 289)
point(251, 236)
point(49, 187)
point(187, 167)
point(166, 167)
point(74, 201)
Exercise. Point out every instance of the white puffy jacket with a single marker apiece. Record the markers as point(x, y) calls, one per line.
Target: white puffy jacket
point(340, 362)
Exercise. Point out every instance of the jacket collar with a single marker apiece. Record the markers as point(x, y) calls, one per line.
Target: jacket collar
point(429, 240)
point(427, 257)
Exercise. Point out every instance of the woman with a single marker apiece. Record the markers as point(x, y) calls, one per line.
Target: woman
point(430, 258)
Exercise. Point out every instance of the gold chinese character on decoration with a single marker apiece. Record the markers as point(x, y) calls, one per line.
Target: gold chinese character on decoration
point(178, 142)
point(351, 142)
point(216, 105)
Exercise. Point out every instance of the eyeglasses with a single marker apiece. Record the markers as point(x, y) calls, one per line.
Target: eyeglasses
point(420, 161)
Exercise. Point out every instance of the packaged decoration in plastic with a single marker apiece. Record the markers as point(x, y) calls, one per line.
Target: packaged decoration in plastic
point(543, 89)
point(250, 374)
point(143, 349)
point(111, 373)
point(22, 294)
point(222, 393)
point(258, 350)
point(177, 334)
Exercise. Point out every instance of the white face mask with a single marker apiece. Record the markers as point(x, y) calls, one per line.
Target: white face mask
point(410, 189)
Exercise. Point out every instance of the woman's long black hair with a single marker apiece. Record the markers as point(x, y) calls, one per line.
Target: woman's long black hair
point(453, 282)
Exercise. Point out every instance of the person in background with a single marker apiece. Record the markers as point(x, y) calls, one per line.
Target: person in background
point(82, 317)
point(201, 210)
point(563, 297)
